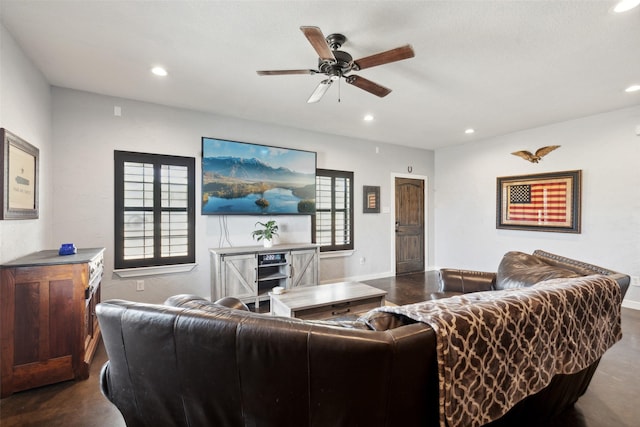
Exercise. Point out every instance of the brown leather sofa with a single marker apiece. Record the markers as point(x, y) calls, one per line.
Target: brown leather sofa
point(195, 363)
point(191, 362)
point(518, 269)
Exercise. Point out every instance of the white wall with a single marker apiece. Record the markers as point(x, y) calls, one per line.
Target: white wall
point(25, 110)
point(604, 147)
point(86, 132)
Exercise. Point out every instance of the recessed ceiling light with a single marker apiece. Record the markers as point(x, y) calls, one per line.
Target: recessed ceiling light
point(625, 5)
point(469, 131)
point(368, 118)
point(159, 71)
point(632, 88)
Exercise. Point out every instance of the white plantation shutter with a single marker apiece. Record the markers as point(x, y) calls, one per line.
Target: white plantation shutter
point(333, 226)
point(323, 210)
point(138, 210)
point(175, 221)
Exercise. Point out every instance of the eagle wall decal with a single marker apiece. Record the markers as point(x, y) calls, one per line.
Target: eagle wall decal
point(540, 153)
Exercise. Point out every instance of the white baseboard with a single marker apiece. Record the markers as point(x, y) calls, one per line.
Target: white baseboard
point(358, 278)
point(362, 278)
point(634, 305)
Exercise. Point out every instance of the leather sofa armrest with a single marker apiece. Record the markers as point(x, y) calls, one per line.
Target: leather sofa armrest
point(104, 380)
point(182, 299)
point(232, 302)
point(465, 281)
point(194, 301)
point(442, 295)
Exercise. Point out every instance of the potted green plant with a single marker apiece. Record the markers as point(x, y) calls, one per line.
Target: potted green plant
point(266, 232)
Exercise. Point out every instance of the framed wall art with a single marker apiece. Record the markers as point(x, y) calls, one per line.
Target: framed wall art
point(541, 202)
point(370, 199)
point(19, 181)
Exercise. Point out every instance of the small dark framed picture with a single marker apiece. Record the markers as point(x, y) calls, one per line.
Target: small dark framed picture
point(19, 180)
point(371, 199)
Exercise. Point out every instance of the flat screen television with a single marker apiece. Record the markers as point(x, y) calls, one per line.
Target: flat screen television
point(240, 178)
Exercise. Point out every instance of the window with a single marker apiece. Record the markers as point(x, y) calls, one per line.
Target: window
point(333, 222)
point(154, 210)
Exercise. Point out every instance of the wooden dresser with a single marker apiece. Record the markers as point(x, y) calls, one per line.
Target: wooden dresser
point(48, 328)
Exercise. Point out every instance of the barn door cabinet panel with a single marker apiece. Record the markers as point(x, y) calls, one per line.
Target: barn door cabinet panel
point(250, 272)
point(48, 328)
point(304, 268)
point(238, 275)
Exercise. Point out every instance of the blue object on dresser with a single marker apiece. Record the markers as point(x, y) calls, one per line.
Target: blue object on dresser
point(67, 249)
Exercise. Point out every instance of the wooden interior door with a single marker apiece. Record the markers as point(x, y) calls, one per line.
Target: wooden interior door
point(409, 200)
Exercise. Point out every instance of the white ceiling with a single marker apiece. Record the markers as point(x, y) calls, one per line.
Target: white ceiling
point(496, 66)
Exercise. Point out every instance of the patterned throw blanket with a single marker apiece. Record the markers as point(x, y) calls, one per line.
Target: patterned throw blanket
point(496, 348)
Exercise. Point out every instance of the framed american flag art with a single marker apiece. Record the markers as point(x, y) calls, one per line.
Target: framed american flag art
point(541, 202)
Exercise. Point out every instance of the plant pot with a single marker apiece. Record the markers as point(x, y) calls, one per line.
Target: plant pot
point(267, 243)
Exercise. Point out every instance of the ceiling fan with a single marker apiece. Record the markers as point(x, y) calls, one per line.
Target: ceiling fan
point(335, 63)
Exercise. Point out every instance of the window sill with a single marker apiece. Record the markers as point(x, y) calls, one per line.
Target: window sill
point(127, 273)
point(337, 254)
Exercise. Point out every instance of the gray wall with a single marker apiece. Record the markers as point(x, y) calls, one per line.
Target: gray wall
point(605, 147)
point(25, 110)
point(86, 132)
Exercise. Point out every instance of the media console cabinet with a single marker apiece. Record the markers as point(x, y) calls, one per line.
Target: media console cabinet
point(49, 331)
point(250, 272)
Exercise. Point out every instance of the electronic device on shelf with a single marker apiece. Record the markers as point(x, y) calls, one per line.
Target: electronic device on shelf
point(271, 258)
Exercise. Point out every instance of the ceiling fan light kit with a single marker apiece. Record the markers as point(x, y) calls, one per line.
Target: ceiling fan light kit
point(319, 91)
point(336, 64)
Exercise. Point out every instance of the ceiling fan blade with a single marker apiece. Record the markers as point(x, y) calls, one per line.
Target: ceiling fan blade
point(320, 91)
point(319, 43)
point(283, 72)
point(368, 85)
point(397, 54)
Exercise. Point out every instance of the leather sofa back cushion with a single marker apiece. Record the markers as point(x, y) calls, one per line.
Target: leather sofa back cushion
point(518, 269)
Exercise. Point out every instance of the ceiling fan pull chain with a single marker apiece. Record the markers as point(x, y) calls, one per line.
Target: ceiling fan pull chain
point(339, 86)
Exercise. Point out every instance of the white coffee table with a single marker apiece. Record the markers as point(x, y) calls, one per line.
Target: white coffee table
point(327, 301)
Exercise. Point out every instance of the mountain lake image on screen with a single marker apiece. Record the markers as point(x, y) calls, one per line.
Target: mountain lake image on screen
point(240, 178)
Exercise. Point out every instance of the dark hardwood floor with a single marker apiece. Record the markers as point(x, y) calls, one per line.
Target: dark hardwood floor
point(610, 401)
